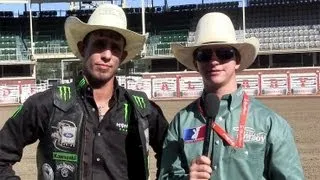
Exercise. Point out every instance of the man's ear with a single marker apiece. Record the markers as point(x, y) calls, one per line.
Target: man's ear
point(238, 61)
point(195, 65)
point(124, 55)
point(81, 48)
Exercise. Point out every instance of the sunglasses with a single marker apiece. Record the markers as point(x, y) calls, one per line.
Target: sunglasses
point(205, 55)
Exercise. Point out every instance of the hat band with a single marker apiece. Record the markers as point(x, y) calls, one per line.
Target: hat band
point(211, 42)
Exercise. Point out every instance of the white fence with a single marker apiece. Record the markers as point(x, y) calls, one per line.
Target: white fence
point(181, 86)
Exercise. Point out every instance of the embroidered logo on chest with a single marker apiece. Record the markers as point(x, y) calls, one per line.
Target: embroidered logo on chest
point(250, 135)
point(194, 134)
point(122, 127)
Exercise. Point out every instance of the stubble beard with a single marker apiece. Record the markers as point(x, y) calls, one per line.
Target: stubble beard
point(94, 80)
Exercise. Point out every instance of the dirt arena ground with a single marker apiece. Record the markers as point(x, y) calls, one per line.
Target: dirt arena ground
point(302, 113)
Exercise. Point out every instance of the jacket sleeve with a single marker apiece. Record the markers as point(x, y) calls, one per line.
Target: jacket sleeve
point(174, 165)
point(158, 126)
point(284, 160)
point(21, 129)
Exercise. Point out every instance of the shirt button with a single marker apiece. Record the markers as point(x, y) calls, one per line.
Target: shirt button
point(215, 167)
point(99, 134)
point(93, 109)
point(216, 142)
point(220, 118)
point(89, 89)
point(98, 159)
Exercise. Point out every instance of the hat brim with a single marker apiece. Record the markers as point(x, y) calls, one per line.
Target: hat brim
point(76, 30)
point(248, 50)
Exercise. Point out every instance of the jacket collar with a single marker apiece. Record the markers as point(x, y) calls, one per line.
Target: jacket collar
point(85, 89)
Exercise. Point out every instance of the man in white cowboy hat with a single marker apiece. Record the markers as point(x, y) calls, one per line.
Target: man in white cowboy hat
point(91, 129)
point(245, 140)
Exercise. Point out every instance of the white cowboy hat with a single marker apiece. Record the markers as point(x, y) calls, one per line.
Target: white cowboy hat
point(108, 17)
point(217, 29)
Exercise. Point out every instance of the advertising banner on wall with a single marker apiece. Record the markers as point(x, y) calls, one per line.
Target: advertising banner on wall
point(191, 86)
point(250, 84)
point(303, 83)
point(274, 84)
point(139, 84)
point(9, 94)
point(30, 89)
point(164, 87)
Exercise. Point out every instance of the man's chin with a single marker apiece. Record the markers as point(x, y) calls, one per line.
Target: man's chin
point(99, 80)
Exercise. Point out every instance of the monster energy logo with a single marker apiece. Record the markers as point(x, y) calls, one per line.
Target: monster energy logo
point(82, 82)
point(126, 112)
point(65, 92)
point(139, 101)
point(17, 111)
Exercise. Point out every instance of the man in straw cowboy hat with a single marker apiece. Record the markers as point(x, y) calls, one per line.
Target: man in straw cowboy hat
point(92, 129)
point(245, 140)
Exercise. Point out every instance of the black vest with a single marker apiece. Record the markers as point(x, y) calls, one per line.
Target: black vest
point(59, 153)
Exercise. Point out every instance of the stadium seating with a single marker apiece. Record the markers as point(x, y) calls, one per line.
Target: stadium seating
point(6, 14)
point(278, 2)
point(279, 25)
point(7, 47)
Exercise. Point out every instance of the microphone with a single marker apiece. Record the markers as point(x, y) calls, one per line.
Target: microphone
point(211, 109)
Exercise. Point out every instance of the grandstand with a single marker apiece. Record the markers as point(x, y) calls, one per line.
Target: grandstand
point(288, 61)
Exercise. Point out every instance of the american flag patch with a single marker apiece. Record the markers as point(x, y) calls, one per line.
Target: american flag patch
point(194, 134)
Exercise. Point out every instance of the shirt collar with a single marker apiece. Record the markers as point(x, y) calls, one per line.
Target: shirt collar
point(232, 100)
point(85, 89)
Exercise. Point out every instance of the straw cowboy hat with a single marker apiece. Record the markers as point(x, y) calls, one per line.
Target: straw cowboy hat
point(108, 17)
point(217, 29)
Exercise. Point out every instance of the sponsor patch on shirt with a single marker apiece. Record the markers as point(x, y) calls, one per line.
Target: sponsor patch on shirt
point(194, 134)
point(250, 135)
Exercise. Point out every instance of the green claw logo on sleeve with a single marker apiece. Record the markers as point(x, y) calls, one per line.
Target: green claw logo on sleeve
point(17, 111)
point(139, 101)
point(81, 83)
point(65, 92)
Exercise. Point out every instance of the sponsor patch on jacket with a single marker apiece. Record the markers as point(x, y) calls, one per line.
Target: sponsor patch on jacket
point(194, 134)
point(62, 156)
point(66, 169)
point(250, 135)
point(64, 135)
point(47, 172)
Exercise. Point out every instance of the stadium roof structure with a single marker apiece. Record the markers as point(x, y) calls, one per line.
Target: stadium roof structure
point(37, 1)
point(54, 1)
point(13, 1)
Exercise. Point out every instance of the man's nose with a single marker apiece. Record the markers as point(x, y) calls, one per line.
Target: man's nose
point(106, 54)
point(214, 59)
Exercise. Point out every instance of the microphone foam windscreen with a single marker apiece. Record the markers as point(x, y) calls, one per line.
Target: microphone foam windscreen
point(211, 104)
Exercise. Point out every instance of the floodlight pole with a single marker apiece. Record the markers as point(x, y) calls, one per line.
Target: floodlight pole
point(143, 22)
point(244, 19)
point(124, 3)
point(31, 30)
point(143, 17)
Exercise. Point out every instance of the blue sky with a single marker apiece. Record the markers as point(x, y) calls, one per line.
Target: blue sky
point(130, 3)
